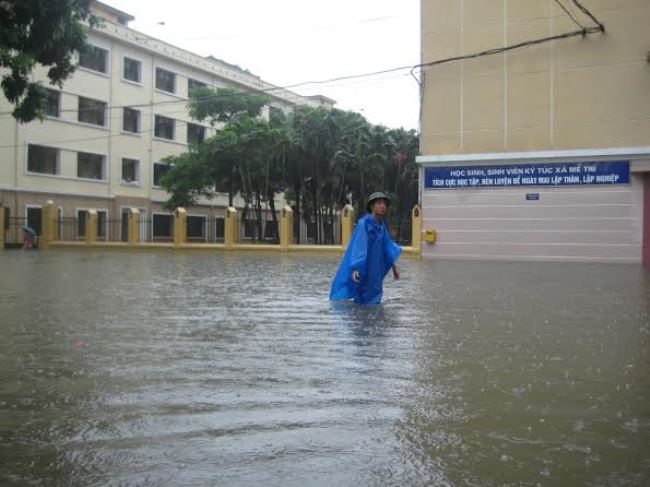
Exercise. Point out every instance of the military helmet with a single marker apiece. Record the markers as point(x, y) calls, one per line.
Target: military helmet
point(378, 195)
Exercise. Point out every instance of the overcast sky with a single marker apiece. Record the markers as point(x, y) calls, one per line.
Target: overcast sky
point(291, 41)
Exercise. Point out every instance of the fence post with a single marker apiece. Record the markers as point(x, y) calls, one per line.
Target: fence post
point(134, 226)
point(286, 227)
point(231, 230)
point(49, 233)
point(2, 228)
point(347, 225)
point(91, 227)
point(416, 229)
point(180, 227)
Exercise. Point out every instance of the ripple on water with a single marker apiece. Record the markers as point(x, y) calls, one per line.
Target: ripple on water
point(202, 369)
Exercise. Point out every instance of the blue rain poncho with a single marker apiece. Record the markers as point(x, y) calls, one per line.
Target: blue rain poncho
point(372, 252)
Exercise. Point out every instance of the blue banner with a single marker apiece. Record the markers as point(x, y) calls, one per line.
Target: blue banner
point(524, 175)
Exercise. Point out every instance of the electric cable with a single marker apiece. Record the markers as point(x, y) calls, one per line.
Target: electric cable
point(566, 10)
point(586, 11)
point(584, 31)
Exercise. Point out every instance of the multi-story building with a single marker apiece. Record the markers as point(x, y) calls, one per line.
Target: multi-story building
point(542, 152)
point(106, 131)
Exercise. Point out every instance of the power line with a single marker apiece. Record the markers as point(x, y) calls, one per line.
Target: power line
point(489, 52)
point(584, 31)
point(238, 93)
point(216, 96)
point(105, 137)
point(166, 114)
point(566, 10)
point(585, 11)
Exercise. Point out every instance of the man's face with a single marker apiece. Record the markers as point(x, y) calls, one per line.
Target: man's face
point(379, 207)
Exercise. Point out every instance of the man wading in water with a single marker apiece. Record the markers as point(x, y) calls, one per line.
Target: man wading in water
point(371, 253)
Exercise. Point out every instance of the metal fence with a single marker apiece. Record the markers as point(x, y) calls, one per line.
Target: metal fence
point(250, 232)
point(14, 233)
point(200, 229)
point(112, 230)
point(68, 229)
point(401, 230)
point(73, 229)
point(161, 229)
point(328, 234)
point(205, 229)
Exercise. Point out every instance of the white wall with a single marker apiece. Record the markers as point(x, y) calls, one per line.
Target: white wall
point(565, 224)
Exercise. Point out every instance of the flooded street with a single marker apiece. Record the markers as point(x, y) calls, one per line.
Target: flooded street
point(213, 369)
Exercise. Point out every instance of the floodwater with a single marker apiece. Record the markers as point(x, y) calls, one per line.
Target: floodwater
point(212, 369)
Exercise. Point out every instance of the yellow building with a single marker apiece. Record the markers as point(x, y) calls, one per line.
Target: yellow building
point(107, 130)
point(541, 152)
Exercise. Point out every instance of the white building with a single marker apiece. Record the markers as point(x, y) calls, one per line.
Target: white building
point(111, 124)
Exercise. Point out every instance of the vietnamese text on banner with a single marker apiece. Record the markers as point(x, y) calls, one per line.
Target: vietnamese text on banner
point(523, 175)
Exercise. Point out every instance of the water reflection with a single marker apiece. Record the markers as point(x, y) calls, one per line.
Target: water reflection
point(190, 369)
point(364, 322)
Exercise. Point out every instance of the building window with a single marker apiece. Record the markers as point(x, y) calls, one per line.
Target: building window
point(132, 70)
point(130, 171)
point(90, 166)
point(195, 133)
point(131, 120)
point(164, 127)
point(92, 111)
point(94, 58)
point(43, 160)
point(159, 171)
point(193, 84)
point(52, 103)
point(165, 80)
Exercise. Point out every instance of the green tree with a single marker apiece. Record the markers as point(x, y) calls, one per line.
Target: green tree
point(401, 178)
point(42, 32)
point(243, 157)
point(214, 163)
point(224, 104)
point(319, 158)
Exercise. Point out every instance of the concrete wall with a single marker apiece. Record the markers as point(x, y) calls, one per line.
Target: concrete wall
point(584, 94)
point(570, 223)
point(575, 93)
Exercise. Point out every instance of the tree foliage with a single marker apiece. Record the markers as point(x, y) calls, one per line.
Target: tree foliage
point(42, 32)
point(319, 158)
point(224, 104)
